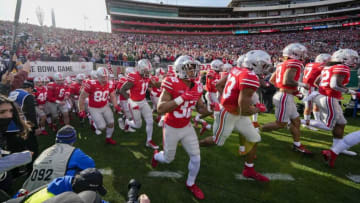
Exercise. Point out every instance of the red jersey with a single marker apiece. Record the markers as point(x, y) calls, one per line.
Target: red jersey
point(120, 83)
point(282, 68)
point(212, 78)
point(138, 90)
point(56, 92)
point(154, 90)
point(223, 75)
point(40, 95)
point(75, 89)
point(181, 116)
point(238, 80)
point(311, 73)
point(98, 94)
point(327, 73)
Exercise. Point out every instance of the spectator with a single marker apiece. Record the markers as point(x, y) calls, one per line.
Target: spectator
point(9, 114)
point(58, 160)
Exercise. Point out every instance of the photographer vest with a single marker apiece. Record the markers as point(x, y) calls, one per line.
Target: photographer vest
point(52, 163)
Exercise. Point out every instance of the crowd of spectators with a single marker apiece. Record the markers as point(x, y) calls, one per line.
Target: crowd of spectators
point(56, 44)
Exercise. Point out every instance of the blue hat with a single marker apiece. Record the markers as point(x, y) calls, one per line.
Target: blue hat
point(66, 134)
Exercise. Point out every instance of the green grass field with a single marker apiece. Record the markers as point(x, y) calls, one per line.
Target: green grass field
point(314, 181)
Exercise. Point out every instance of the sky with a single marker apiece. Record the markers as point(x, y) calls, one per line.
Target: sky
point(78, 14)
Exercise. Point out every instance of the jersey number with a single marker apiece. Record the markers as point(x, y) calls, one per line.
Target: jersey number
point(41, 174)
point(307, 71)
point(278, 74)
point(325, 74)
point(228, 87)
point(61, 93)
point(144, 86)
point(100, 96)
point(41, 97)
point(185, 111)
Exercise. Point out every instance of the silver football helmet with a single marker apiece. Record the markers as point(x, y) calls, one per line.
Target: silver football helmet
point(295, 51)
point(93, 75)
point(185, 63)
point(80, 77)
point(144, 67)
point(240, 60)
point(347, 57)
point(59, 78)
point(38, 81)
point(102, 74)
point(257, 60)
point(216, 65)
point(227, 67)
point(323, 58)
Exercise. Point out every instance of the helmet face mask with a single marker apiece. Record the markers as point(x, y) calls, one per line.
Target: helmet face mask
point(257, 61)
point(323, 58)
point(295, 51)
point(347, 57)
point(59, 78)
point(144, 67)
point(240, 61)
point(102, 74)
point(186, 68)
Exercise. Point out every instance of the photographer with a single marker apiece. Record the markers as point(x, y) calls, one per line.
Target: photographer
point(9, 114)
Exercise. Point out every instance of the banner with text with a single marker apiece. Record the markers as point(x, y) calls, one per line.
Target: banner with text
point(48, 68)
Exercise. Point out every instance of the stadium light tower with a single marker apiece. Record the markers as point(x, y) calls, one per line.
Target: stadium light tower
point(107, 19)
point(40, 13)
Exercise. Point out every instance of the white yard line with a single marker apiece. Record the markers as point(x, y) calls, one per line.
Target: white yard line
point(271, 176)
point(355, 178)
point(165, 174)
point(106, 171)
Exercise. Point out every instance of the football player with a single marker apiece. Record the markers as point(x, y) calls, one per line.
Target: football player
point(137, 82)
point(179, 96)
point(312, 73)
point(237, 106)
point(75, 89)
point(155, 91)
point(40, 96)
point(98, 92)
point(56, 96)
point(124, 104)
point(286, 78)
point(334, 78)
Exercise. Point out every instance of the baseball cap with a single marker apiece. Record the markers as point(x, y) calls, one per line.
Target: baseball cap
point(89, 179)
point(66, 134)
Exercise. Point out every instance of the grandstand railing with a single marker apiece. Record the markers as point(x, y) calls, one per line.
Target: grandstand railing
point(172, 32)
point(178, 25)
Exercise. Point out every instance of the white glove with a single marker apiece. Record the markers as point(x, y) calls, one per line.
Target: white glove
point(352, 92)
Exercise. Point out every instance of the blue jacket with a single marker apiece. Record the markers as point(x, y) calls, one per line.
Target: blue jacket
point(79, 160)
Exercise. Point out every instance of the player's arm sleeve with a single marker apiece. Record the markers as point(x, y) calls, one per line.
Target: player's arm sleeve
point(168, 85)
point(250, 81)
point(131, 77)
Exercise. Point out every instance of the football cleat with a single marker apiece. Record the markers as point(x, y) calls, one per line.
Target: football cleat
point(302, 149)
point(203, 129)
point(110, 141)
point(196, 191)
point(349, 153)
point(309, 127)
point(128, 129)
point(121, 123)
point(154, 163)
point(151, 144)
point(195, 123)
point(329, 157)
point(249, 172)
point(98, 132)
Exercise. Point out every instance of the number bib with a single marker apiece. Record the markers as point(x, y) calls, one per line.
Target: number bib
point(52, 163)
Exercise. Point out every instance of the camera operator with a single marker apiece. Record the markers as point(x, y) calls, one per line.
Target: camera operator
point(9, 114)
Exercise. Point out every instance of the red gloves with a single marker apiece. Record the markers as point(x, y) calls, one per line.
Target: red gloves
point(118, 108)
point(261, 107)
point(82, 114)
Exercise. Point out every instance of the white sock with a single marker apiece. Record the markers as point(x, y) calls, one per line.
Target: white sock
point(194, 167)
point(317, 115)
point(335, 141)
point(109, 132)
point(242, 148)
point(298, 144)
point(347, 142)
point(255, 117)
point(149, 131)
point(249, 165)
point(160, 157)
point(307, 117)
point(319, 124)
